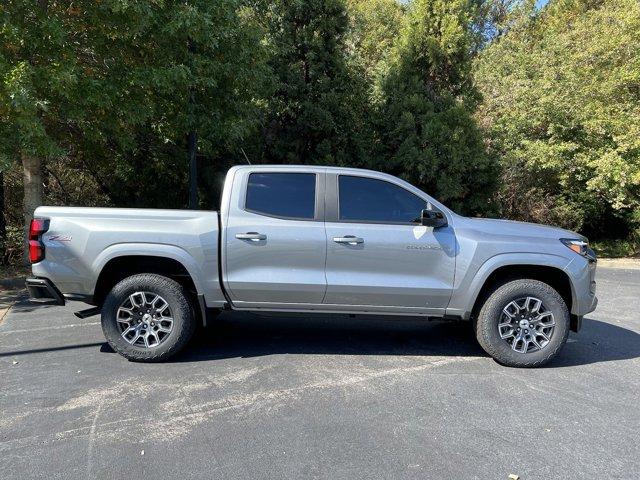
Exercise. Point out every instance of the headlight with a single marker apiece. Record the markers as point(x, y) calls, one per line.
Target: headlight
point(581, 247)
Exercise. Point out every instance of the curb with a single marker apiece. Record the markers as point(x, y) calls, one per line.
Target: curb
point(8, 298)
point(3, 312)
point(628, 263)
point(12, 283)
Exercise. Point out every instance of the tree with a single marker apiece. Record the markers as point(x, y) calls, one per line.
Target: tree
point(429, 135)
point(24, 75)
point(496, 17)
point(185, 69)
point(374, 28)
point(103, 89)
point(562, 106)
point(317, 111)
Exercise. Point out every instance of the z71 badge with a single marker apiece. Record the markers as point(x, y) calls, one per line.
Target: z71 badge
point(59, 238)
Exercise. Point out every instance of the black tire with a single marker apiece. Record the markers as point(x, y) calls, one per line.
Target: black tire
point(184, 322)
point(486, 324)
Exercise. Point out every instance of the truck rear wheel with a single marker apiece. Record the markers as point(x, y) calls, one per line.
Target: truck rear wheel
point(523, 323)
point(147, 318)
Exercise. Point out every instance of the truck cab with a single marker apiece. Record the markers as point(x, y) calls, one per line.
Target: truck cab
point(334, 240)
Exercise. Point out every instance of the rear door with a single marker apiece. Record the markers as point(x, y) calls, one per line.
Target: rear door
point(274, 240)
point(377, 256)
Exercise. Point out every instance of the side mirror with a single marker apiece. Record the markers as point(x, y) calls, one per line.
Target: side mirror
point(432, 218)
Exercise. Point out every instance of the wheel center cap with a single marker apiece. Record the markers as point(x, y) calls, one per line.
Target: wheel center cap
point(524, 323)
point(146, 317)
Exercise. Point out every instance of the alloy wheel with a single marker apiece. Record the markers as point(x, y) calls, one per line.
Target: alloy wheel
point(144, 319)
point(526, 325)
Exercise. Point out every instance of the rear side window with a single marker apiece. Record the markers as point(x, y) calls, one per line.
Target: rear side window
point(370, 200)
point(290, 195)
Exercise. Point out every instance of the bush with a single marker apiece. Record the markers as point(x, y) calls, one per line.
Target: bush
point(562, 110)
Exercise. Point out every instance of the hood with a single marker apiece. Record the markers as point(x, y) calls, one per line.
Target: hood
point(510, 227)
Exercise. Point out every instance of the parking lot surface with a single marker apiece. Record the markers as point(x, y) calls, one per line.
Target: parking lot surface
point(269, 396)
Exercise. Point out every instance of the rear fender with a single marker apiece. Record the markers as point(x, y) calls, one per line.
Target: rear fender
point(206, 285)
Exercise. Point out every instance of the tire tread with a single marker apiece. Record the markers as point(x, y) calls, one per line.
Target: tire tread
point(484, 323)
point(159, 353)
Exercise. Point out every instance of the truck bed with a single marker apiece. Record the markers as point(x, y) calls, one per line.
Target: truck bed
point(81, 241)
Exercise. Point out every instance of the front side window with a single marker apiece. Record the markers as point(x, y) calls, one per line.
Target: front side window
point(289, 195)
point(370, 200)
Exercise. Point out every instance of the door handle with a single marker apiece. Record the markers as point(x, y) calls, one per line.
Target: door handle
point(253, 236)
point(350, 239)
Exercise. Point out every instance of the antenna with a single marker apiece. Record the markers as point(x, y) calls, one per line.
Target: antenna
point(245, 155)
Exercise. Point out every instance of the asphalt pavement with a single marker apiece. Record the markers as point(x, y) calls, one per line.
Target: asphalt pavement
point(298, 396)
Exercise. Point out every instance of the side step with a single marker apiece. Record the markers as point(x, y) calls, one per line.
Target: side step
point(89, 312)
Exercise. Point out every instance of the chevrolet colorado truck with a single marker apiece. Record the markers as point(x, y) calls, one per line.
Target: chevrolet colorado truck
point(313, 239)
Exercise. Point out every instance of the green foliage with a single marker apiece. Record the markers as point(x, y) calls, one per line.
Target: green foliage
point(428, 133)
point(618, 248)
point(374, 28)
point(316, 114)
point(562, 106)
point(12, 245)
point(22, 108)
point(115, 86)
point(434, 91)
point(496, 17)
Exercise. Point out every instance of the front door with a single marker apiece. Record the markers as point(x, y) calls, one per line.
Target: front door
point(275, 239)
point(377, 256)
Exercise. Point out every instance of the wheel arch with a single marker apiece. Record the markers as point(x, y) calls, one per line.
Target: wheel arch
point(472, 282)
point(120, 267)
point(553, 276)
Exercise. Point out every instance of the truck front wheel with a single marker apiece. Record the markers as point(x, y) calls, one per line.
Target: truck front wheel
point(147, 318)
point(523, 323)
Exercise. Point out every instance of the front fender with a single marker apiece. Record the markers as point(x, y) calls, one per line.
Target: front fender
point(468, 288)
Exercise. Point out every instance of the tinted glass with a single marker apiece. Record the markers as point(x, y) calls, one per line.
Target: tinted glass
point(282, 194)
point(369, 200)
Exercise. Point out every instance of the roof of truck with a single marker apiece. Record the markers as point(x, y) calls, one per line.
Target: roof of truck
point(326, 168)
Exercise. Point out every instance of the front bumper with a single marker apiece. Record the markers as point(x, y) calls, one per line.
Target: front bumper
point(582, 273)
point(43, 291)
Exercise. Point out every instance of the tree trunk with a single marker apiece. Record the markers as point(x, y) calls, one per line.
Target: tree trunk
point(32, 168)
point(192, 142)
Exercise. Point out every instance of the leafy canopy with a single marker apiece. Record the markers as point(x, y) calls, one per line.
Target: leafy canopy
point(562, 105)
point(114, 87)
point(428, 133)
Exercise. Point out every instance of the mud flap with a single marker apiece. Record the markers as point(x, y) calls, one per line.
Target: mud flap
point(576, 323)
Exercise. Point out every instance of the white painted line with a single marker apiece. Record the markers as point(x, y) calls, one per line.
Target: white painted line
point(57, 327)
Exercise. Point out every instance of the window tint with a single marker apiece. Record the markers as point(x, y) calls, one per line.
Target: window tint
point(282, 194)
point(370, 200)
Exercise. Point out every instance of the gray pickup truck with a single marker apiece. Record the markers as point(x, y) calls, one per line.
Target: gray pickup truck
point(313, 239)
